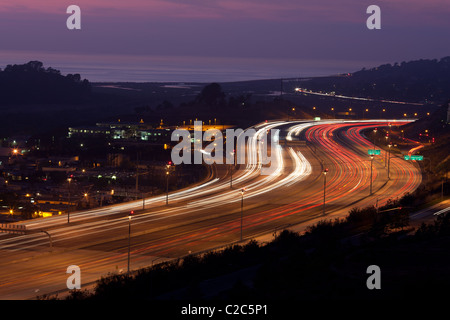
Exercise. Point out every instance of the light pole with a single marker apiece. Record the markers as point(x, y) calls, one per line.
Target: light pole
point(231, 176)
point(374, 136)
point(129, 239)
point(385, 154)
point(68, 203)
point(324, 188)
point(168, 165)
point(365, 113)
point(167, 187)
point(231, 170)
point(242, 208)
point(371, 165)
point(389, 160)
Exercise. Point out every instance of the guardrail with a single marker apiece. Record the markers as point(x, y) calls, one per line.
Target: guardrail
point(21, 229)
point(12, 228)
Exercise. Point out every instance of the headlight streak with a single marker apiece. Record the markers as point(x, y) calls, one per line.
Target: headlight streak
point(301, 169)
point(116, 223)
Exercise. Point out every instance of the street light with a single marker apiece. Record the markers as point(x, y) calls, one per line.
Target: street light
point(389, 159)
point(231, 170)
point(242, 208)
point(385, 154)
point(167, 187)
point(86, 198)
point(324, 188)
point(371, 165)
point(68, 204)
point(374, 136)
point(129, 238)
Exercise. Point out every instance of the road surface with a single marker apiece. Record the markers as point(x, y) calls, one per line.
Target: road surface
point(211, 215)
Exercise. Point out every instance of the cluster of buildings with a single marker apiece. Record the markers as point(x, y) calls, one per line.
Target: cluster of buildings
point(40, 181)
point(118, 131)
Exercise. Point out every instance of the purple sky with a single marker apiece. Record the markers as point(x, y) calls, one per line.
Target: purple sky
point(316, 33)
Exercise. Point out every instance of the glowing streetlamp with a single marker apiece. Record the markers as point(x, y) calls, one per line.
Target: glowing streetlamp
point(242, 208)
point(68, 204)
point(129, 238)
point(231, 168)
point(389, 159)
point(167, 187)
point(374, 136)
point(371, 165)
point(324, 188)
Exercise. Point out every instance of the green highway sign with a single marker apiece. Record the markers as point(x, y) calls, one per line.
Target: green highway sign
point(413, 157)
point(374, 152)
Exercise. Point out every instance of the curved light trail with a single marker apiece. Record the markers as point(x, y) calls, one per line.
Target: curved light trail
point(208, 215)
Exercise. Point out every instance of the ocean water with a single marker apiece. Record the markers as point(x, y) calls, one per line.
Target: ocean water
point(133, 68)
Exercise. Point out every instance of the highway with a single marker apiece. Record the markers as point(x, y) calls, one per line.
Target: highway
point(208, 215)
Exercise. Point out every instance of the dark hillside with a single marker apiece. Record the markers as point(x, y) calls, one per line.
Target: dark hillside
point(31, 83)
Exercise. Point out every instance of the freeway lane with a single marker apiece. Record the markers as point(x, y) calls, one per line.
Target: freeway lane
point(209, 216)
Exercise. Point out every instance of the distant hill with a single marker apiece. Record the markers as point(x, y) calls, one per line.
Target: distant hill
point(422, 81)
point(31, 83)
point(435, 127)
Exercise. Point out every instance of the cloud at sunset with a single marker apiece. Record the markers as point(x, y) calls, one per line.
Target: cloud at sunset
point(321, 30)
point(329, 10)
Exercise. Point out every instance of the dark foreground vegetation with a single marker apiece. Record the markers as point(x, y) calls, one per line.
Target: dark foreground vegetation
point(328, 261)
